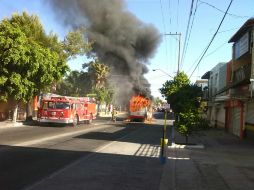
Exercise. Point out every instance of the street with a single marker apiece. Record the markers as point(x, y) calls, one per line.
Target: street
point(121, 155)
point(31, 153)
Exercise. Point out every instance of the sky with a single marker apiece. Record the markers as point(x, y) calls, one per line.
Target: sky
point(169, 17)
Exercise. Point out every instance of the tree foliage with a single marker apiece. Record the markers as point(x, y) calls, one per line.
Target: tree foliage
point(76, 83)
point(184, 99)
point(27, 66)
point(93, 81)
point(98, 72)
point(104, 95)
point(31, 60)
point(76, 43)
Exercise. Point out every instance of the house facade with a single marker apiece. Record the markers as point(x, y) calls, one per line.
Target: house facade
point(230, 100)
point(215, 100)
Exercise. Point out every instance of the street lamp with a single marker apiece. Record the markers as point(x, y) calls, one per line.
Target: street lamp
point(163, 72)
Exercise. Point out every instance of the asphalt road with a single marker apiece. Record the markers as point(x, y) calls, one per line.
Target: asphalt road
point(29, 154)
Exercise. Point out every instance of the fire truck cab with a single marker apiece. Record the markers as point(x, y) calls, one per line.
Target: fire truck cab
point(66, 110)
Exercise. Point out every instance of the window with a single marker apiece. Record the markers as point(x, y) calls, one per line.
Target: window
point(62, 105)
point(51, 105)
point(45, 105)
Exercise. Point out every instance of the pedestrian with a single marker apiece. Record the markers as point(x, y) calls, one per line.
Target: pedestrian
point(114, 112)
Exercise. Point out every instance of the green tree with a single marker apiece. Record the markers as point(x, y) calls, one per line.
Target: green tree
point(75, 84)
point(31, 60)
point(98, 72)
point(171, 88)
point(157, 101)
point(184, 99)
point(76, 43)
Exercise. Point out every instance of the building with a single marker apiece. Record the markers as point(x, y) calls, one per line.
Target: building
point(217, 81)
point(230, 99)
point(240, 107)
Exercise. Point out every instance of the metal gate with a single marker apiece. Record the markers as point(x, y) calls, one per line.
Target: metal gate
point(236, 120)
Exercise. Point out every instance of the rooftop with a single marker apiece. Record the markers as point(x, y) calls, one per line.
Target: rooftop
point(244, 28)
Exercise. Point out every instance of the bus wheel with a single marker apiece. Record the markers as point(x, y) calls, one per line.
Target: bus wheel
point(90, 119)
point(75, 121)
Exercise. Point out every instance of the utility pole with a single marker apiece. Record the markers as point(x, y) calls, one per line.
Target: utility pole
point(178, 70)
point(179, 48)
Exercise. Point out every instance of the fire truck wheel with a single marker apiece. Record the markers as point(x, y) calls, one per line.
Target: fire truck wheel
point(75, 121)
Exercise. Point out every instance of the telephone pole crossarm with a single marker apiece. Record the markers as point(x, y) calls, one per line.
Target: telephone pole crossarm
point(179, 48)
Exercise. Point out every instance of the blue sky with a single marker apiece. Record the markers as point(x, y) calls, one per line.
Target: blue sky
point(167, 16)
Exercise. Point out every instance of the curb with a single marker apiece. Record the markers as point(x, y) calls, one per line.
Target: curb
point(4, 125)
point(181, 146)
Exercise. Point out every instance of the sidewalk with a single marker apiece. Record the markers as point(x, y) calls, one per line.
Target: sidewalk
point(226, 162)
point(9, 124)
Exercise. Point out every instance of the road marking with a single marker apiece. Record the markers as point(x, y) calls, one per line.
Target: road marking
point(32, 142)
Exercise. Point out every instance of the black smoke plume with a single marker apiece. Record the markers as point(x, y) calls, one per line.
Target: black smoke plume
point(121, 41)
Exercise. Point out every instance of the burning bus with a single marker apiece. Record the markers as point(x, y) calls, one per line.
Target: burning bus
point(139, 108)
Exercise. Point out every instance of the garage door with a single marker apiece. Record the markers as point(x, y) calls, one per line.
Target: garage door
point(236, 120)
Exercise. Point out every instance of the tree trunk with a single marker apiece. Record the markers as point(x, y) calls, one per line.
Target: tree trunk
point(15, 113)
point(106, 109)
point(29, 112)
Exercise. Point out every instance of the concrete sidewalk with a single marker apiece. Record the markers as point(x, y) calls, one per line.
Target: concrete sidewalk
point(226, 162)
point(9, 124)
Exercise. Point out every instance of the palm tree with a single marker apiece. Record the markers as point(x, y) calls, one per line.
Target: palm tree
point(99, 73)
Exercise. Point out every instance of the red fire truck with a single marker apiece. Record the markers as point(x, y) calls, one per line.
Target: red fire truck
point(63, 109)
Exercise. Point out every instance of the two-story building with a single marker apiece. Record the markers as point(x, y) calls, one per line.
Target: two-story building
point(235, 88)
point(216, 99)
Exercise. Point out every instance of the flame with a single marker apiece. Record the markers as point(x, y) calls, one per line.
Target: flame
point(138, 102)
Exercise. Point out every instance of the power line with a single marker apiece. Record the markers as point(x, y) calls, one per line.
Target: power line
point(216, 49)
point(172, 66)
point(164, 28)
point(177, 15)
point(187, 33)
point(212, 52)
point(190, 32)
point(212, 38)
point(233, 15)
point(228, 30)
point(169, 12)
point(195, 61)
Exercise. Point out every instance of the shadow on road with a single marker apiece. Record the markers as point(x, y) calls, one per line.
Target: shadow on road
point(22, 166)
point(145, 138)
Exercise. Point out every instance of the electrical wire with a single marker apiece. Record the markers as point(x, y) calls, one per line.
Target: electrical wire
point(170, 23)
point(187, 34)
point(233, 15)
point(228, 30)
point(196, 7)
point(169, 12)
point(164, 28)
point(212, 39)
point(177, 15)
point(216, 49)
